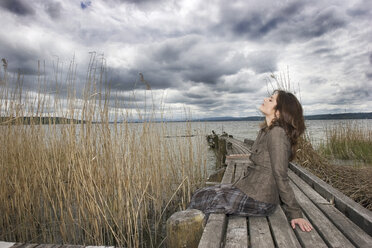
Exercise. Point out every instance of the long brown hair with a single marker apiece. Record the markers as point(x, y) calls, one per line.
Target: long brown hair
point(291, 118)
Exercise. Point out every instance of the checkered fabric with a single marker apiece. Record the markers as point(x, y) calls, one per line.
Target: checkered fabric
point(227, 199)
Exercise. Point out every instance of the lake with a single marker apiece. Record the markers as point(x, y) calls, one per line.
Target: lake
point(249, 129)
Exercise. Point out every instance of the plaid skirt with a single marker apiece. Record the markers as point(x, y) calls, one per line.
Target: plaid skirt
point(227, 199)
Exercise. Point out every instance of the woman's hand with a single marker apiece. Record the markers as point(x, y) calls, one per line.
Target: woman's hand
point(302, 223)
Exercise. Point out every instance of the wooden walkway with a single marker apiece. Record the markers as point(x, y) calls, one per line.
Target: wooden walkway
point(328, 212)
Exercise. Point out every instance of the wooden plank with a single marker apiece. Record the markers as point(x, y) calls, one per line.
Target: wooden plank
point(355, 212)
point(48, 246)
point(6, 244)
point(259, 233)
point(307, 189)
point(327, 230)
point(237, 232)
point(310, 239)
point(353, 232)
point(214, 231)
point(229, 172)
point(72, 246)
point(24, 245)
point(283, 234)
point(99, 246)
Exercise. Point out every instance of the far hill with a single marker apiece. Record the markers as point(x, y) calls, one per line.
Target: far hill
point(344, 116)
point(37, 120)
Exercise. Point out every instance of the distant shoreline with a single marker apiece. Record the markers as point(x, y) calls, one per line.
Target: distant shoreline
point(61, 120)
point(344, 116)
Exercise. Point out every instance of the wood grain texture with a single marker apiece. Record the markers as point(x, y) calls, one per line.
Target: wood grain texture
point(353, 232)
point(237, 232)
point(283, 234)
point(259, 233)
point(327, 230)
point(360, 216)
point(214, 231)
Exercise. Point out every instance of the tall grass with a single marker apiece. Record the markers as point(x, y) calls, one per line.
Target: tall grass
point(92, 183)
point(348, 141)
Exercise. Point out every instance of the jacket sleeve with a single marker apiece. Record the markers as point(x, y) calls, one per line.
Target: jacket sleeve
point(279, 150)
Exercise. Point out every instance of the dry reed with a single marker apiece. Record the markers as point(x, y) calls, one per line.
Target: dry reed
point(348, 141)
point(354, 182)
point(92, 183)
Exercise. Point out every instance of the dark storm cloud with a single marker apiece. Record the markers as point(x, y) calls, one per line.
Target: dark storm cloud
point(325, 21)
point(172, 63)
point(263, 61)
point(252, 21)
point(317, 80)
point(361, 9)
point(258, 24)
point(18, 7)
point(53, 9)
point(129, 79)
point(352, 94)
point(85, 4)
point(294, 21)
point(20, 59)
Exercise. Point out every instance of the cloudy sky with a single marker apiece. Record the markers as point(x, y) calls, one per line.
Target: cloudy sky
point(211, 57)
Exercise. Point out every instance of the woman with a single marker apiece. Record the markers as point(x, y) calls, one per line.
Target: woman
point(265, 184)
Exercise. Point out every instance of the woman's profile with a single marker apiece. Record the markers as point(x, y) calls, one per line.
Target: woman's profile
point(265, 184)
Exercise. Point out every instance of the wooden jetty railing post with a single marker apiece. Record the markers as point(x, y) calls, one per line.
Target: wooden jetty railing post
point(221, 154)
point(185, 228)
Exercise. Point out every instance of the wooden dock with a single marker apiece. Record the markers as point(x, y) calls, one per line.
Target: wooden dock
point(338, 221)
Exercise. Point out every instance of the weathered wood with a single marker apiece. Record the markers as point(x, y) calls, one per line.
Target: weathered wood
point(282, 232)
point(237, 232)
point(229, 173)
point(238, 147)
point(207, 184)
point(99, 246)
point(353, 232)
point(185, 228)
point(310, 239)
point(222, 151)
point(259, 233)
point(24, 245)
point(217, 176)
point(214, 231)
point(327, 230)
point(52, 246)
point(6, 244)
point(71, 246)
point(355, 212)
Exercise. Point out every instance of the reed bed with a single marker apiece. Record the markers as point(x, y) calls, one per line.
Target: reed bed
point(348, 141)
point(353, 181)
point(93, 182)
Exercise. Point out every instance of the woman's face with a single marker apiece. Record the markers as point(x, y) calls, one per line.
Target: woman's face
point(268, 105)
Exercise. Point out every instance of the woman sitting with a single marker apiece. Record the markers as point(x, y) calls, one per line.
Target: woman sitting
point(265, 184)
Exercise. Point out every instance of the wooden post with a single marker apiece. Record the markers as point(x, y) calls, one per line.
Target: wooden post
point(222, 151)
point(185, 228)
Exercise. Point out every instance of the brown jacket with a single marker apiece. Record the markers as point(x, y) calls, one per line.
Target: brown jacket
point(266, 179)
